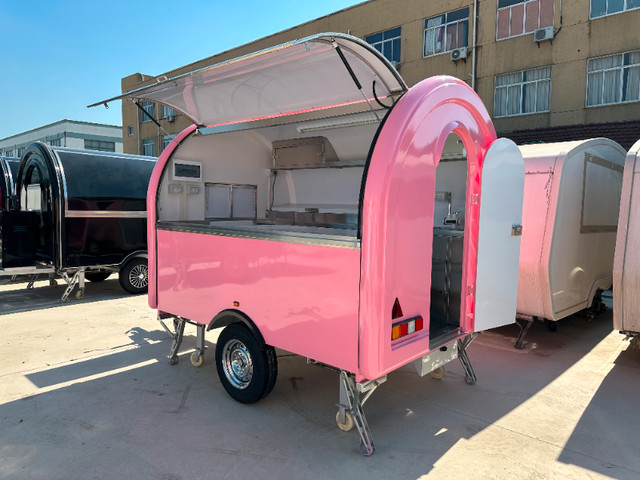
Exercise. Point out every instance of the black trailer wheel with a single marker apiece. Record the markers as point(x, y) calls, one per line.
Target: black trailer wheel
point(134, 277)
point(247, 369)
point(97, 275)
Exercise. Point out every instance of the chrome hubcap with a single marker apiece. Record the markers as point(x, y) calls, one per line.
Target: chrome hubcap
point(139, 276)
point(237, 364)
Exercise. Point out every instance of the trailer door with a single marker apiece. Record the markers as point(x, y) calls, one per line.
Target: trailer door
point(502, 188)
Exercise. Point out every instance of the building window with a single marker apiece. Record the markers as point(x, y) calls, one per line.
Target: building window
point(9, 153)
point(21, 151)
point(446, 32)
point(148, 108)
point(56, 142)
point(148, 147)
point(522, 92)
point(519, 17)
point(613, 79)
point(601, 8)
point(130, 131)
point(100, 145)
point(168, 112)
point(166, 139)
point(387, 43)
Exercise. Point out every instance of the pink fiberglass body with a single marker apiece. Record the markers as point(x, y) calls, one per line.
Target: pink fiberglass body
point(334, 304)
point(398, 215)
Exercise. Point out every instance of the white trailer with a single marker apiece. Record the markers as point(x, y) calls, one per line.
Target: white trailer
point(626, 265)
point(570, 213)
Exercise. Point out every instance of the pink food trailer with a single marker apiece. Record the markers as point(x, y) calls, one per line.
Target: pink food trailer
point(626, 267)
point(310, 208)
point(570, 212)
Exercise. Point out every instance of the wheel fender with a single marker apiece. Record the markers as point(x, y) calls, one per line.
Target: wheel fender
point(228, 317)
point(131, 256)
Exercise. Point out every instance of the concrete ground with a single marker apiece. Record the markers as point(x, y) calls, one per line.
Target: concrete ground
point(86, 392)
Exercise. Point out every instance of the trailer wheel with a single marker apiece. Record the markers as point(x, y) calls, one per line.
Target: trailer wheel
point(247, 369)
point(438, 373)
point(97, 275)
point(134, 277)
point(197, 359)
point(348, 421)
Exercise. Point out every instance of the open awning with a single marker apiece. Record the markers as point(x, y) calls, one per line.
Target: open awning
point(315, 73)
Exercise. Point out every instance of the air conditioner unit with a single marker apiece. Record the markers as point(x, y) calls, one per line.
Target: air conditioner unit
point(171, 118)
point(542, 34)
point(459, 53)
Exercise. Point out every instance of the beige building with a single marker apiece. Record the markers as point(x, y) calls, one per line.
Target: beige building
point(547, 70)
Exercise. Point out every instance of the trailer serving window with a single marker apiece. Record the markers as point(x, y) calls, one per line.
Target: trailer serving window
point(602, 187)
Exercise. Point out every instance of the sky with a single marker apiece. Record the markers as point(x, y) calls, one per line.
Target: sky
point(59, 56)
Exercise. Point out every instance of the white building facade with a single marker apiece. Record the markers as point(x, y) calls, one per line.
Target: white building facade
point(66, 133)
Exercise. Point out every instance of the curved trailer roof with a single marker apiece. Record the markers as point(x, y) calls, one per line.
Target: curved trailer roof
point(89, 179)
point(8, 173)
point(307, 76)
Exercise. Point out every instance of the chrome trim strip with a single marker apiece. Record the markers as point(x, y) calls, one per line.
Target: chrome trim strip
point(299, 238)
point(105, 214)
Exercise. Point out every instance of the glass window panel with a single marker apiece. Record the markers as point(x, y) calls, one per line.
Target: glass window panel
point(632, 58)
point(632, 84)
point(598, 8)
point(508, 3)
point(546, 13)
point(611, 86)
point(387, 50)
point(396, 50)
point(633, 4)
point(517, 20)
point(458, 15)
point(529, 100)
point(434, 22)
point(375, 38)
point(532, 16)
point(513, 100)
point(614, 6)
point(500, 102)
point(538, 74)
point(452, 36)
point(503, 24)
point(393, 33)
point(463, 34)
point(543, 96)
point(594, 89)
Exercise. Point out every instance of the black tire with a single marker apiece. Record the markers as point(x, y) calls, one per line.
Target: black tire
point(247, 369)
point(97, 275)
point(134, 276)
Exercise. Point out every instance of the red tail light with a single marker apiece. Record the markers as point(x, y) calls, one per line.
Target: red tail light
point(406, 327)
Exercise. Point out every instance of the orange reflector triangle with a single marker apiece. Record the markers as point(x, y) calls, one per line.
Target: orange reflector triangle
point(397, 310)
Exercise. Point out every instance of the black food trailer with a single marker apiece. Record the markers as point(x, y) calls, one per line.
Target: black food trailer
point(79, 214)
point(8, 172)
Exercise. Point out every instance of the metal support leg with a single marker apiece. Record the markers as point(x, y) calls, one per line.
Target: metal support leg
point(32, 280)
point(350, 399)
point(525, 325)
point(463, 344)
point(199, 353)
point(178, 324)
point(71, 284)
point(80, 292)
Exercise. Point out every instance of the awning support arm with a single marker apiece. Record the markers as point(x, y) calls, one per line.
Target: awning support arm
point(147, 114)
point(354, 78)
